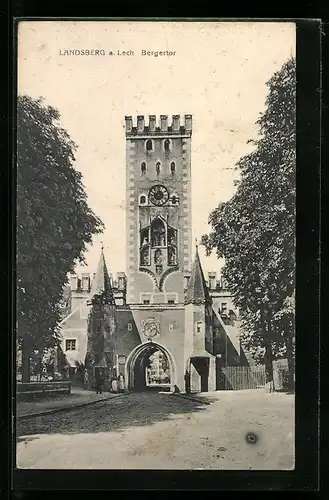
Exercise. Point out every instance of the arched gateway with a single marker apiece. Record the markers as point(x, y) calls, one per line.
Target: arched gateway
point(137, 365)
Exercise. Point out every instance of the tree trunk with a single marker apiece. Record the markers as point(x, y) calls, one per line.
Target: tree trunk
point(269, 368)
point(25, 363)
point(266, 330)
point(291, 365)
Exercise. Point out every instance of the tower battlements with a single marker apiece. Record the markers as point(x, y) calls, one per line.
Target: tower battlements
point(137, 126)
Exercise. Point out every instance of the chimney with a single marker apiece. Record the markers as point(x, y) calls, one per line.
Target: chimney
point(188, 123)
point(85, 281)
point(176, 122)
point(74, 282)
point(129, 123)
point(212, 280)
point(140, 123)
point(152, 123)
point(164, 123)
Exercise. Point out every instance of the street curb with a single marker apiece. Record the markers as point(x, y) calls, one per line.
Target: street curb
point(67, 408)
point(191, 398)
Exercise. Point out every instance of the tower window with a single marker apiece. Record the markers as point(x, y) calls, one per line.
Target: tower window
point(166, 145)
point(174, 199)
point(158, 167)
point(130, 327)
point(70, 345)
point(145, 298)
point(149, 145)
point(142, 200)
point(143, 167)
point(198, 326)
point(172, 167)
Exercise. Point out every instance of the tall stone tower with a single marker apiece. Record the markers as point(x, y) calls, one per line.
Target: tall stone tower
point(102, 327)
point(158, 224)
point(199, 345)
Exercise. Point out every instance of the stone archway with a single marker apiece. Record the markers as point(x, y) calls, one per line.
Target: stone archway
point(135, 367)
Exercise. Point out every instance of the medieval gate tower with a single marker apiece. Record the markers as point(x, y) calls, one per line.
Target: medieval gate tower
point(158, 225)
point(165, 307)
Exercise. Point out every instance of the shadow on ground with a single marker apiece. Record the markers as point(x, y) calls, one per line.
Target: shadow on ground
point(26, 439)
point(41, 398)
point(130, 411)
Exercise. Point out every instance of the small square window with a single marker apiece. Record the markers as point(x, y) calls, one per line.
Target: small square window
point(171, 301)
point(146, 301)
point(198, 327)
point(70, 345)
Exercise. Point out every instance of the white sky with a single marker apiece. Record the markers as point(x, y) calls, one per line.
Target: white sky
point(218, 74)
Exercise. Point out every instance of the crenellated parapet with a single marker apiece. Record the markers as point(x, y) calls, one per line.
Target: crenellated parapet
point(138, 127)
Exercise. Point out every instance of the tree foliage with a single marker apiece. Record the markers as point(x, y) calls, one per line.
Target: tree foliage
point(54, 221)
point(255, 230)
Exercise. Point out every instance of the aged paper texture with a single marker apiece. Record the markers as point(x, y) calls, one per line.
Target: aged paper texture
point(156, 290)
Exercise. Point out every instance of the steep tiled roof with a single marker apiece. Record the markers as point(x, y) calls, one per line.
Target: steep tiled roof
point(101, 285)
point(197, 290)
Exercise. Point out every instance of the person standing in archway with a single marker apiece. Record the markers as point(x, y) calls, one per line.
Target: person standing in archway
point(114, 382)
point(121, 383)
point(187, 383)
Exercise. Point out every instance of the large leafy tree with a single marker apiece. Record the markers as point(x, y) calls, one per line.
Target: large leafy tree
point(54, 223)
point(255, 230)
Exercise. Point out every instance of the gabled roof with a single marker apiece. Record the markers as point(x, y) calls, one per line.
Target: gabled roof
point(101, 285)
point(197, 290)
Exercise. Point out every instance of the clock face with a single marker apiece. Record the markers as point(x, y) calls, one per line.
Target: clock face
point(158, 195)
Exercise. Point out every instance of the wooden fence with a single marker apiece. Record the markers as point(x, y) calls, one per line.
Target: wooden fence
point(242, 377)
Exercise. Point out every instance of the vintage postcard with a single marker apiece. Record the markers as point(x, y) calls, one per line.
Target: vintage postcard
point(155, 245)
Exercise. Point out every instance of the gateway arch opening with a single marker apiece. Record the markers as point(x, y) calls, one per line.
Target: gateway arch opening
point(151, 368)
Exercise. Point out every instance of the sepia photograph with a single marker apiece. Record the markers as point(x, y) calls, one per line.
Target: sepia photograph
point(155, 309)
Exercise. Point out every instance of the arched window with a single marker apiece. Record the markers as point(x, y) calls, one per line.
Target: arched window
point(158, 233)
point(166, 145)
point(142, 199)
point(149, 145)
point(172, 167)
point(143, 167)
point(158, 168)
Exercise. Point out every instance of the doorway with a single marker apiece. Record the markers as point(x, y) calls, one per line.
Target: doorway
point(150, 366)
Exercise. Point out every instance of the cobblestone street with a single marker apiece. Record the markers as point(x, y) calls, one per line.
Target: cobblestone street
point(162, 431)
